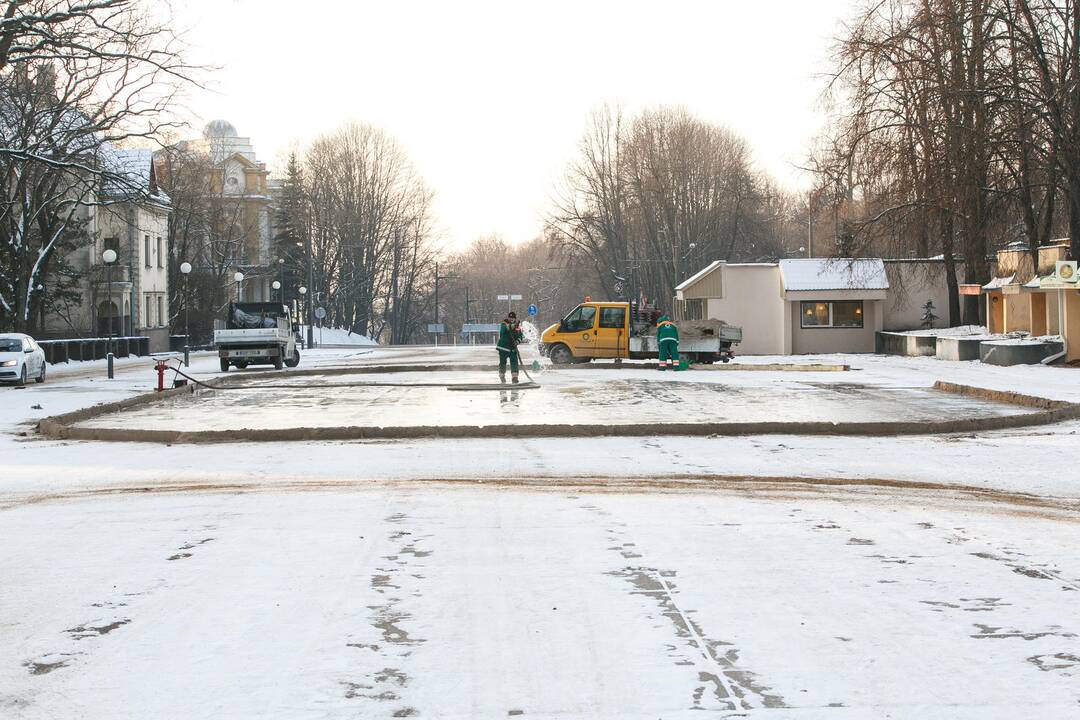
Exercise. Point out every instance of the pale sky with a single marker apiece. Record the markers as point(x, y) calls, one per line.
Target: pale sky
point(489, 99)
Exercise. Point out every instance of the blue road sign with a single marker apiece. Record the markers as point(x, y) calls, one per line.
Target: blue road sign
point(532, 310)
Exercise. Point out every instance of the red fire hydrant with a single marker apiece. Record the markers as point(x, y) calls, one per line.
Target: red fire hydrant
point(161, 366)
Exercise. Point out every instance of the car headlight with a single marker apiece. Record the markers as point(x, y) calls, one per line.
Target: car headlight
point(9, 363)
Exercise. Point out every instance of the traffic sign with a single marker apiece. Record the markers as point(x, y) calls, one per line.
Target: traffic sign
point(436, 329)
point(532, 311)
point(320, 313)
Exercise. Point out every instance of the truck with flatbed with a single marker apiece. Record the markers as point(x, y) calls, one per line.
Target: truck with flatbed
point(618, 330)
point(256, 334)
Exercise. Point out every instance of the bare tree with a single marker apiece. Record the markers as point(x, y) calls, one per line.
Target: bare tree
point(76, 78)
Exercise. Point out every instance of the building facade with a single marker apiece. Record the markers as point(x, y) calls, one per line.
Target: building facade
point(131, 217)
point(809, 306)
point(239, 189)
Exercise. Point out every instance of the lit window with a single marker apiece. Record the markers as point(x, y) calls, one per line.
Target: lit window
point(839, 314)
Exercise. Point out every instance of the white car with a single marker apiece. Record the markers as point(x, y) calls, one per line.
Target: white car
point(21, 359)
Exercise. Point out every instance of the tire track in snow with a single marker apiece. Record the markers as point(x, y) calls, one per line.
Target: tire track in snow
point(734, 688)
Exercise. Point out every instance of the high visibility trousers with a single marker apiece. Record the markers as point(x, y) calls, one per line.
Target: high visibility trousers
point(669, 353)
point(505, 355)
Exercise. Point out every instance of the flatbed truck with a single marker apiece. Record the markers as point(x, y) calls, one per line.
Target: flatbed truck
point(617, 330)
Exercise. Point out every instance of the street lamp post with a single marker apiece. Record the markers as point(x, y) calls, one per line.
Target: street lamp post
point(109, 256)
point(185, 270)
point(303, 301)
point(281, 279)
point(239, 278)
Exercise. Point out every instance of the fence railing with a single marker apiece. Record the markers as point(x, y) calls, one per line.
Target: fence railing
point(58, 351)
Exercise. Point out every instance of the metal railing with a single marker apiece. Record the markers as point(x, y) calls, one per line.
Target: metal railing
point(58, 351)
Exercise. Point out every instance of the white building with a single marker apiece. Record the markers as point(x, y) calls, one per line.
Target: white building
point(131, 217)
point(817, 305)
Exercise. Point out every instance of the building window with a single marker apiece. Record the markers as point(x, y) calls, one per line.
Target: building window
point(146, 318)
point(694, 309)
point(612, 317)
point(146, 251)
point(160, 310)
point(838, 314)
point(160, 254)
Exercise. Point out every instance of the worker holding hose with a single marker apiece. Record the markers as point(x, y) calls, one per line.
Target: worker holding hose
point(510, 336)
point(667, 341)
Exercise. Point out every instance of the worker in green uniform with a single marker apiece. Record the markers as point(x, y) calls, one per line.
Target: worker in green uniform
point(667, 340)
point(510, 336)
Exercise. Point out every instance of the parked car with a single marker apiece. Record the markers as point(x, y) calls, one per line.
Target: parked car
point(21, 359)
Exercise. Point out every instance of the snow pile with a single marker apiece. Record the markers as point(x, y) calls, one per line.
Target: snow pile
point(338, 336)
point(970, 331)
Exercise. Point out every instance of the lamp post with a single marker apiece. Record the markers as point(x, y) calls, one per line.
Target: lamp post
point(281, 279)
point(185, 271)
point(277, 286)
point(303, 302)
point(109, 256)
point(239, 278)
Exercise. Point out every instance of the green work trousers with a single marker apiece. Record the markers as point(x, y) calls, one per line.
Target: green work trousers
point(512, 356)
point(669, 354)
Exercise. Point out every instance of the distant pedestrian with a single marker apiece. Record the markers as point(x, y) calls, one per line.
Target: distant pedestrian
point(667, 341)
point(510, 336)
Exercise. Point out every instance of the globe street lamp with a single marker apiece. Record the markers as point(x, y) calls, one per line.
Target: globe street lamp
point(109, 256)
point(303, 298)
point(239, 278)
point(277, 286)
point(185, 270)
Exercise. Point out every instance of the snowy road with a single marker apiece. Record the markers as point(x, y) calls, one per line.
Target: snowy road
point(479, 602)
point(577, 577)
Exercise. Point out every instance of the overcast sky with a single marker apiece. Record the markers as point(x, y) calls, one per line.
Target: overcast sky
point(490, 98)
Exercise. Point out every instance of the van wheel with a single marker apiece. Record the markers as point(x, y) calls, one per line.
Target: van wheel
point(224, 364)
point(560, 354)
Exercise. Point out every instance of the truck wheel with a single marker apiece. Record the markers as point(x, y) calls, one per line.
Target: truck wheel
point(241, 364)
point(560, 354)
point(224, 364)
point(294, 360)
point(278, 364)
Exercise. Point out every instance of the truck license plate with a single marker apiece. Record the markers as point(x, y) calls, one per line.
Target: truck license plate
point(246, 353)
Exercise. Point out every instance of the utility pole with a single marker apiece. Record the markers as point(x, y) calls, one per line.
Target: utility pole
point(311, 287)
point(439, 277)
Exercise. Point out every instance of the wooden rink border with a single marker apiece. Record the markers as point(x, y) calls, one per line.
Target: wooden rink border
point(65, 426)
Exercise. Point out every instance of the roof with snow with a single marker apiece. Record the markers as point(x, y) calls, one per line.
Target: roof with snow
point(999, 282)
point(130, 174)
point(804, 274)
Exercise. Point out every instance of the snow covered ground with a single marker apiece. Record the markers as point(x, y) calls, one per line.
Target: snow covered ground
point(336, 337)
point(570, 577)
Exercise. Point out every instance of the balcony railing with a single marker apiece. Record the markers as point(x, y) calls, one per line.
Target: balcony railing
point(120, 274)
